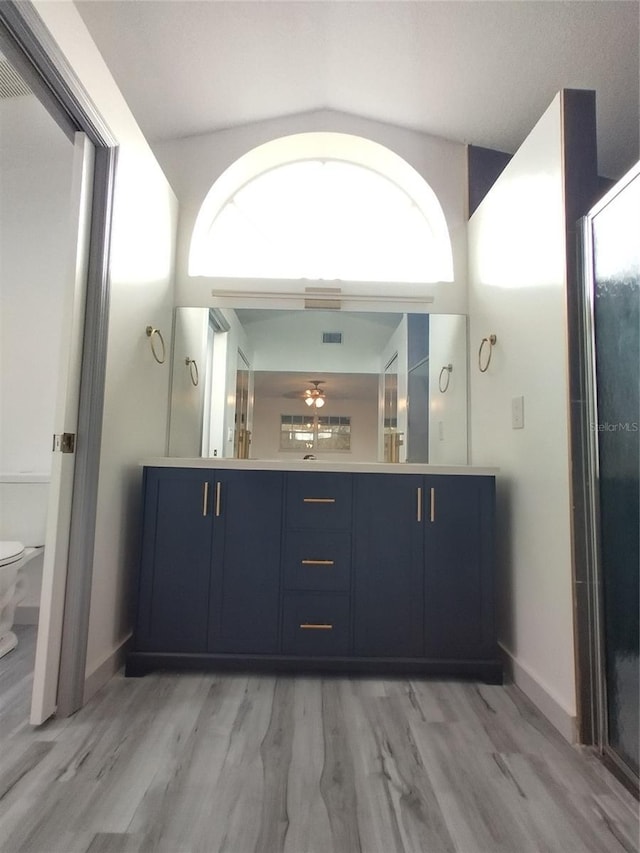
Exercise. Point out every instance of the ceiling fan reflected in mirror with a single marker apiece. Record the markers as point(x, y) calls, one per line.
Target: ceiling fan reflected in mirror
point(315, 396)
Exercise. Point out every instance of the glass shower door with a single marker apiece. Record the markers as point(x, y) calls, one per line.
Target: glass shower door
point(616, 317)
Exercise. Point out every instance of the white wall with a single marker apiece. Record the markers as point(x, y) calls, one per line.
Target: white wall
point(194, 163)
point(517, 291)
point(265, 442)
point(137, 388)
point(190, 333)
point(448, 410)
point(35, 174)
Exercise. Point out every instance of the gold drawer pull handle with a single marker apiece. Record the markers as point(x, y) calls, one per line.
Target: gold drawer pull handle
point(218, 490)
point(317, 562)
point(320, 626)
point(319, 500)
point(205, 498)
point(433, 505)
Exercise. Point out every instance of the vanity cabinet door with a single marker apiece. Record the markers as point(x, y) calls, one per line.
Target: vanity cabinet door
point(388, 549)
point(459, 558)
point(173, 601)
point(245, 585)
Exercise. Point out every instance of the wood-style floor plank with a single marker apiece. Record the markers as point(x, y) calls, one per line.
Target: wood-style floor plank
point(379, 830)
point(237, 763)
point(309, 826)
point(114, 842)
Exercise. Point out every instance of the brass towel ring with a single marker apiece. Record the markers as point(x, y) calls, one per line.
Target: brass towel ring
point(446, 370)
point(491, 341)
point(193, 370)
point(151, 334)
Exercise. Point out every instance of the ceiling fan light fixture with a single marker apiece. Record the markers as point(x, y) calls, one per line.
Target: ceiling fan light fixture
point(314, 396)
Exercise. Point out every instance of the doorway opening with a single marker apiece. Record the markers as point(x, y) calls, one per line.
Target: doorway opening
point(36, 164)
point(59, 674)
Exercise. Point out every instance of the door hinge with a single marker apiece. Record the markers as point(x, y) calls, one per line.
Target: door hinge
point(65, 442)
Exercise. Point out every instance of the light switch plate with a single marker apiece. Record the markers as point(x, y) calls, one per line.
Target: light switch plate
point(517, 413)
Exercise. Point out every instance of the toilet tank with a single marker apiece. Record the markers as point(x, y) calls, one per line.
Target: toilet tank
point(23, 507)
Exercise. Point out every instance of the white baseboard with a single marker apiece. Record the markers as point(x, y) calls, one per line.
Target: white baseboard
point(26, 615)
point(525, 680)
point(105, 670)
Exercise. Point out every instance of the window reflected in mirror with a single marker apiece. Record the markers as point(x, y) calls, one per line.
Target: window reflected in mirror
point(304, 433)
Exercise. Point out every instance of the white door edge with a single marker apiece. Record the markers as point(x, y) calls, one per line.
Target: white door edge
point(48, 646)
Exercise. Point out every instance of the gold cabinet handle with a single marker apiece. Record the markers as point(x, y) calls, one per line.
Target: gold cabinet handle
point(316, 626)
point(218, 490)
point(319, 500)
point(433, 505)
point(419, 508)
point(317, 562)
point(205, 497)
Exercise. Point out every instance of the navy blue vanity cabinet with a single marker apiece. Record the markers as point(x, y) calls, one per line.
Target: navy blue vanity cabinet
point(317, 565)
point(173, 599)
point(459, 567)
point(245, 579)
point(210, 568)
point(424, 568)
point(317, 571)
point(389, 576)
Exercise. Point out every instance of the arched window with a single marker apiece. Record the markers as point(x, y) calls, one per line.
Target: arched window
point(322, 206)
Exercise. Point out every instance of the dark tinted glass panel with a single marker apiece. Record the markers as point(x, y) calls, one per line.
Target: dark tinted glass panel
point(616, 231)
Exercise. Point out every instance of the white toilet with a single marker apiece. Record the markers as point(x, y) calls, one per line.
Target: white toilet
point(11, 591)
point(23, 514)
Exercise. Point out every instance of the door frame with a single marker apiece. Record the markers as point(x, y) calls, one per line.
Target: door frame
point(29, 46)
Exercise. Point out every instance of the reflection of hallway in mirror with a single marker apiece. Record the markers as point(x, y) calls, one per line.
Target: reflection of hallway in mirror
point(418, 388)
point(346, 429)
point(284, 349)
point(242, 434)
point(392, 438)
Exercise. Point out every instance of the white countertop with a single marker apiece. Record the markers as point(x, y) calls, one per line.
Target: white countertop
point(314, 465)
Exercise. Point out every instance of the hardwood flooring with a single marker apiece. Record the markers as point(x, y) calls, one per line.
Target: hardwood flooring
point(259, 764)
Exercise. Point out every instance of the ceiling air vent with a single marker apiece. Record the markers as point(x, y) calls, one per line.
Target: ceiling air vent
point(332, 337)
point(11, 84)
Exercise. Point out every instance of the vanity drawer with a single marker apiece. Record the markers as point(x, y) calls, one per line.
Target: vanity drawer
point(318, 501)
point(315, 624)
point(317, 560)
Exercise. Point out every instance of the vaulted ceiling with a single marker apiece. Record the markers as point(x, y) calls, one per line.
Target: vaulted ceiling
point(473, 71)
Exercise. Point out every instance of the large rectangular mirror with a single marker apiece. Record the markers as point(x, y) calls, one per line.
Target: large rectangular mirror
point(332, 385)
